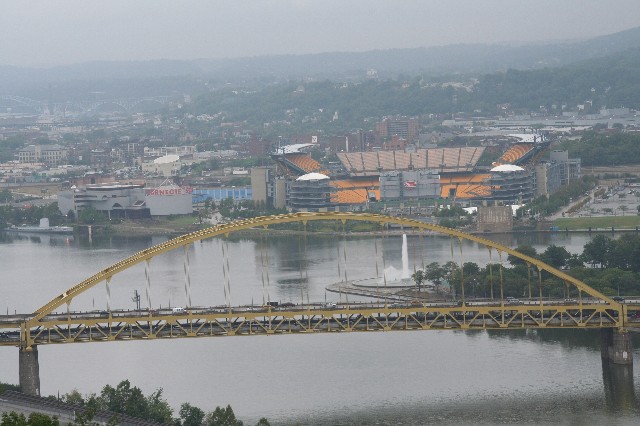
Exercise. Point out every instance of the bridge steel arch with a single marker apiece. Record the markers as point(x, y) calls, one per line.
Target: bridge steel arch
point(118, 103)
point(265, 221)
point(158, 100)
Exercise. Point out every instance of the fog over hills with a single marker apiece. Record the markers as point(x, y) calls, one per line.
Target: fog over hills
point(160, 75)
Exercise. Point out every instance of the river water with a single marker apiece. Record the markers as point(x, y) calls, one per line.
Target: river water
point(438, 377)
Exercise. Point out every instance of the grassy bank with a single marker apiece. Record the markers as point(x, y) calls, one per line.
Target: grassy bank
point(603, 222)
point(173, 225)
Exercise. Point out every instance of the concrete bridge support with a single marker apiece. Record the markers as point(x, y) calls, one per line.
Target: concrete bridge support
point(29, 371)
point(616, 346)
point(619, 389)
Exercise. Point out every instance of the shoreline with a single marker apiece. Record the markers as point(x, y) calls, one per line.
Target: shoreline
point(175, 229)
point(161, 231)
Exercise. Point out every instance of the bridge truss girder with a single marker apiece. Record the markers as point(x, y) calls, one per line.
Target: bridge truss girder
point(70, 328)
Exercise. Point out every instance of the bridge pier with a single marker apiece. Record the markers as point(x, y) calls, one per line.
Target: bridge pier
point(616, 346)
point(619, 389)
point(29, 371)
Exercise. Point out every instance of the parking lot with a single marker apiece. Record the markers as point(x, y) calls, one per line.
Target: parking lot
point(621, 200)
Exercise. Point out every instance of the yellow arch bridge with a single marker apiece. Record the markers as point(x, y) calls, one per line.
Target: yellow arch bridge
point(586, 308)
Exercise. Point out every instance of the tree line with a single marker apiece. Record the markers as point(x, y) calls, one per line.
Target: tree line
point(30, 214)
point(611, 266)
point(605, 149)
point(129, 400)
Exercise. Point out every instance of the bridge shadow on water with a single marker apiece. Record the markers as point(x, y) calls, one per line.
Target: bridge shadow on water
point(590, 408)
point(567, 338)
point(614, 402)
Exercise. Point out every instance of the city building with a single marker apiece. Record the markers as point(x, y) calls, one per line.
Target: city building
point(495, 219)
point(180, 151)
point(219, 194)
point(169, 199)
point(559, 171)
point(49, 154)
point(405, 128)
point(261, 185)
point(570, 167)
point(115, 200)
point(167, 166)
point(131, 201)
point(259, 147)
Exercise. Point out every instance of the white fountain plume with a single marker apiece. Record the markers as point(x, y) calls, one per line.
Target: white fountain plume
point(401, 276)
point(405, 258)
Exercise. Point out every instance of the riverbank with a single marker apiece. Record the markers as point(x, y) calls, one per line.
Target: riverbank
point(145, 227)
point(599, 223)
point(175, 226)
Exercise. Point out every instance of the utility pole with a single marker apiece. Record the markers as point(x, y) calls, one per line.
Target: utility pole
point(136, 298)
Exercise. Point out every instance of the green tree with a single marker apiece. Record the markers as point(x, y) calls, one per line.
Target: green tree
point(73, 397)
point(418, 277)
point(435, 273)
point(524, 249)
point(222, 417)
point(7, 386)
point(13, 419)
point(125, 399)
point(159, 409)
point(452, 275)
point(136, 404)
point(555, 256)
point(190, 415)
point(624, 253)
point(595, 251)
point(35, 419)
point(39, 419)
point(90, 216)
point(6, 196)
point(575, 261)
point(470, 268)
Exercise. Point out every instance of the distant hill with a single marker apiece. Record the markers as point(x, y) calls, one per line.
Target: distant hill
point(431, 61)
point(121, 78)
point(612, 81)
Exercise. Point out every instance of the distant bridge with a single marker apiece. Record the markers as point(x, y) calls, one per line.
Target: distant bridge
point(60, 108)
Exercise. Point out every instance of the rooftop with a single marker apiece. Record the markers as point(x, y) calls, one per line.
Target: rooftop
point(313, 176)
point(507, 168)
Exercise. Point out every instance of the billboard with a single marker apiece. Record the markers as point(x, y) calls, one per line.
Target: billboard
point(168, 190)
point(168, 200)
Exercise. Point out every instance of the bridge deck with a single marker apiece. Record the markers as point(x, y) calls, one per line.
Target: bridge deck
point(76, 327)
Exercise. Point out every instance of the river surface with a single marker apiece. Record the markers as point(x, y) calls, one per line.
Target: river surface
point(410, 378)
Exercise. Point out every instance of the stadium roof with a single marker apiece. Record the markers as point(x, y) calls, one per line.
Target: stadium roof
point(507, 168)
point(313, 176)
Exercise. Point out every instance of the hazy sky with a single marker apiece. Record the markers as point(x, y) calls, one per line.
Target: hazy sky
point(48, 32)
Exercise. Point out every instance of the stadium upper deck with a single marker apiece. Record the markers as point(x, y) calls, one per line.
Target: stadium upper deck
point(451, 160)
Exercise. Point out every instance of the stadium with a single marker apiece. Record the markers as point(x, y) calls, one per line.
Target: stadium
point(450, 175)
